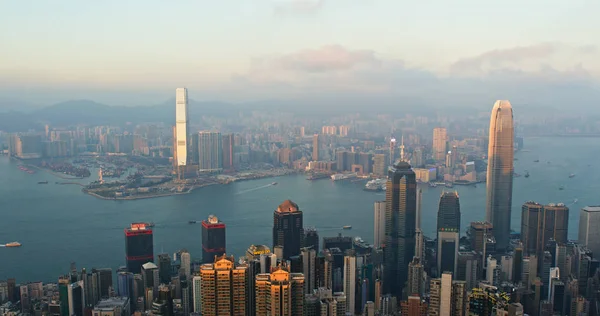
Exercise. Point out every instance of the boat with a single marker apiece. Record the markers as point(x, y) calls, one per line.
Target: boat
point(571, 175)
point(347, 227)
point(527, 174)
point(43, 182)
point(13, 244)
point(192, 222)
point(432, 184)
point(575, 201)
point(375, 185)
point(343, 176)
point(561, 187)
point(537, 160)
point(274, 183)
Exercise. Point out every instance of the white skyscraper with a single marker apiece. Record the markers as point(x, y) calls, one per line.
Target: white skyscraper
point(181, 126)
point(379, 231)
point(197, 295)
point(186, 264)
point(350, 283)
point(589, 234)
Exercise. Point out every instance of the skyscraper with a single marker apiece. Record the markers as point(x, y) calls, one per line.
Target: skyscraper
point(500, 172)
point(139, 246)
point(223, 288)
point(350, 283)
point(448, 215)
point(415, 277)
point(210, 151)
point(440, 139)
point(181, 126)
point(279, 293)
point(316, 147)
point(228, 152)
point(401, 209)
point(540, 223)
point(589, 234)
point(288, 230)
point(213, 239)
point(379, 229)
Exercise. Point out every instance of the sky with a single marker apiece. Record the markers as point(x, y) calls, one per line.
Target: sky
point(138, 52)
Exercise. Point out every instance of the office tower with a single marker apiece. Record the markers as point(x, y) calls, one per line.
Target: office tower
point(316, 147)
point(105, 281)
point(401, 208)
point(350, 283)
point(416, 273)
point(379, 165)
point(279, 293)
point(210, 152)
point(478, 233)
point(228, 151)
point(417, 157)
point(440, 140)
point(540, 224)
point(139, 246)
point(414, 306)
point(491, 271)
point(308, 269)
point(288, 230)
point(311, 238)
point(517, 263)
point(76, 299)
point(255, 251)
point(213, 239)
point(447, 250)
point(125, 287)
point(150, 278)
point(164, 268)
point(392, 153)
point(500, 172)
point(448, 215)
point(419, 243)
point(197, 294)
point(419, 208)
point(379, 229)
point(181, 126)
point(589, 234)
point(467, 268)
point(223, 287)
point(185, 294)
point(459, 298)
point(506, 265)
point(186, 263)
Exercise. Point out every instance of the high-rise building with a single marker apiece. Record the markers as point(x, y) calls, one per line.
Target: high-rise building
point(279, 293)
point(181, 126)
point(350, 283)
point(416, 273)
point(447, 250)
point(440, 295)
point(197, 293)
point(419, 243)
point(379, 165)
point(213, 239)
point(401, 209)
point(316, 147)
point(164, 268)
point(379, 229)
point(311, 238)
point(448, 216)
point(125, 287)
point(76, 299)
point(329, 130)
point(414, 306)
point(309, 270)
point(228, 151)
point(223, 288)
point(589, 234)
point(150, 278)
point(440, 140)
point(288, 230)
point(186, 263)
point(539, 224)
point(139, 246)
point(210, 151)
point(500, 172)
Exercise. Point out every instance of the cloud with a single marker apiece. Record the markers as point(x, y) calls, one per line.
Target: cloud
point(297, 6)
point(326, 58)
point(532, 59)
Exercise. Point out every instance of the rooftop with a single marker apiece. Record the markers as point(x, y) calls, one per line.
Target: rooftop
point(288, 207)
point(149, 265)
point(591, 209)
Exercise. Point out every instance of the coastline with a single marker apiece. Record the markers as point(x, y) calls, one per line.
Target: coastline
point(56, 174)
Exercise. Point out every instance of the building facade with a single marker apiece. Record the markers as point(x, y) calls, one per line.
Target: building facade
point(181, 126)
point(288, 230)
point(223, 288)
point(214, 242)
point(139, 246)
point(279, 293)
point(210, 155)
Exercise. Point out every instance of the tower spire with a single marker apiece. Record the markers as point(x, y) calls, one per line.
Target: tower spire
point(402, 149)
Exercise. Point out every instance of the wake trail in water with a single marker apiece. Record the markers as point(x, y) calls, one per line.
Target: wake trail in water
point(254, 189)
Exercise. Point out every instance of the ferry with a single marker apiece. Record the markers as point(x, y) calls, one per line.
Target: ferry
point(13, 244)
point(537, 160)
point(347, 227)
point(192, 222)
point(274, 183)
point(43, 182)
point(571, 175)
point(561, 188)
point(575, 201)
point(526, 174)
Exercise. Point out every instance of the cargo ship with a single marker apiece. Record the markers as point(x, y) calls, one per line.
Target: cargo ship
point(13, 244)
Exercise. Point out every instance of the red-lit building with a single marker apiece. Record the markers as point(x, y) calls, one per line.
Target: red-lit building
point(213, 239)
point(139, 246)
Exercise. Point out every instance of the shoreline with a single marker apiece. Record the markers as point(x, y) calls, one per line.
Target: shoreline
point(56, 174)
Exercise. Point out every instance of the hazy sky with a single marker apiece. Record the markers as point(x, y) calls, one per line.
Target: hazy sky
point(238, 49)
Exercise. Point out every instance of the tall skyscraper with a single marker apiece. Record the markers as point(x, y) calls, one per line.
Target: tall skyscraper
point(316, 147)
point(401, 209)
point(416, 272)
point(447, 251)
point(164, 268)
point(186, 263)
point(350, 283)
point(76, 299)
point(448, 215)
point(288, 230)
point(379, 229)
point(279, 293)
point(228, 151)
point(309, 270)
point(589, 234)
point(150, 278)
point(181, 126)
point(210, 151)
point(440, 138)
point(540, 223)
point(197, 293)
point(441, 295)
point(139, 246)
point(223, 288)
point(500, 172)
point(213, 239)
